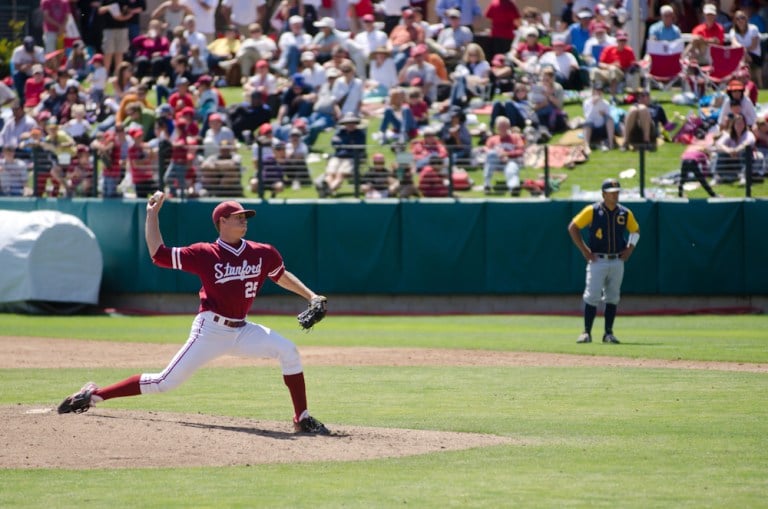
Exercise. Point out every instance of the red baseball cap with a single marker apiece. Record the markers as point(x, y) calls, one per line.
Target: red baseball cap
point(369, 17)
point(265, 128)
point(227, 208)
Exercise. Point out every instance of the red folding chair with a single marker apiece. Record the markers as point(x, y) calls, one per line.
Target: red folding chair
point(726, 60)
point(664, 68)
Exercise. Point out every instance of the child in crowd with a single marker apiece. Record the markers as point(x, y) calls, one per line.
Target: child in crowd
point(98, 78)
point(34, 87)
point(13, 173)
point(78, 127)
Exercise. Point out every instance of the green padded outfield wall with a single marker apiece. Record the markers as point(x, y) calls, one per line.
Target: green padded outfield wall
point(443, 247)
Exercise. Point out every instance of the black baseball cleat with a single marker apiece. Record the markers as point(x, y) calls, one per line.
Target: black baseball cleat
point(310, 426)
point(610, 338)
point(80, 401)
point(584, 337)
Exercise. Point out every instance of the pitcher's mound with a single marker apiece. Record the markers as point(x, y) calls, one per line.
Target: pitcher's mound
point(38, 437)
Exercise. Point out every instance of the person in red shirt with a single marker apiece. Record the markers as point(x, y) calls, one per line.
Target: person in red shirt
point(710, 32)
point(141, 164)
point(504, 152)
point(431, 183)
point(34, 87)
point(182, 98)
point(505, 17)
point(232, 271)
point(428, 147)
point(616, 62)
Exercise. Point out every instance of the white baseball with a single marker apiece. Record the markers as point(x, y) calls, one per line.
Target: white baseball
point(156, 198)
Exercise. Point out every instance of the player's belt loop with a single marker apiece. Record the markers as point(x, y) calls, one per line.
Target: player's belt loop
point(235, 324)
point(608, 256)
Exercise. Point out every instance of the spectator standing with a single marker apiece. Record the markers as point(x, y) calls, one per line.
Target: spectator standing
point(613, 235)
point(243, 13)
point(115, 16)
point(747, 35)
point(203, 12)
point(135, 8)
point(23, 58)
point(504, 152)
point(504, 16)
point(171, 14)
point(141, 164)
point(55, 14)
point(98, 79)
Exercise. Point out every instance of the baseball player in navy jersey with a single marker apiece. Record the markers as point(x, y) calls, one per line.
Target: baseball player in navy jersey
point(613, 235)
point(232, 271)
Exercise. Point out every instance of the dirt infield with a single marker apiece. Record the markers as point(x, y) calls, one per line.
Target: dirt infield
point(37, 437)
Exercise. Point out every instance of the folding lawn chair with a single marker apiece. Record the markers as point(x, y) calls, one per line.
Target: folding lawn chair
point(663, 68)
point(726, 61)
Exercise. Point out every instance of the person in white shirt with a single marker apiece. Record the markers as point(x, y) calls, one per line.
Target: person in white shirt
point(565, 64)
point(243, 12)
point(747, 35)
point(23, 58)
point(453, 39)
point(382, 73)
point(196, 37)
point(370, 38)
point(349, 89)
point(262, 80)
point(292, 43)
point(314, 73)
point(593, 47)
point(252, 49)
point(598, 121)
point(216, 134)
point(204, 12)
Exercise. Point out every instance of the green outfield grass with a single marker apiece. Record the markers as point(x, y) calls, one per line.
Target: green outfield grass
point(594, 437)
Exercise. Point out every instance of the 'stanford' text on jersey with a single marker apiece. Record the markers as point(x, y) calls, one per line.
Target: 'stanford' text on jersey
point(607, 228)
point(231, 276)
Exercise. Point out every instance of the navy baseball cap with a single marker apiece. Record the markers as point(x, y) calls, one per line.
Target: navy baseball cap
point(611, 186)
point(227, 208)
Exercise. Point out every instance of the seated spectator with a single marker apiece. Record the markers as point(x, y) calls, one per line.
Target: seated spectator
point(122, 81)
point(736, 102)
point(141, 163)
point(416, 67)
point(452, 40)
point(370, 39)
point(325, 108)
point(419, 108)
point(314, 73)
point(198, 65)
point(296, 152)
point(14, 173)
point(665, 29)
point(339, 56)
point(525, 56)
point(78, 127)
point(292, 43)
point(248, 116)
point(34, 86)
point(70, 99)
point(382, 75)
point(207, 100)
point(98, 79)
point(262, 80)
point(504, 152)
point(644, 122)
point(296, 101)
point(181, 177)
point(427, 148)
point(348, 90)
point(705, 34)
point(432, 184)
point(617, 64)
point(112, 148)
point(598, 124)
point(731, 147)
point(579, 32)
point(518, 109)
point(455, 135)
point(77, 61)
point(595, 45)
point(223, 48)
point(349, 143)
point(547, 99)
point(152, 52)
point(403, 37)
point(397, 123)
point(565, 65)
point(253, 48)
point(325, 39)
point(138, 114)
point(471, 77)
point(217, 134)
point(171, 14)
point(75, 178)
point(182, 97)
point(220, 171)
point(378, 181)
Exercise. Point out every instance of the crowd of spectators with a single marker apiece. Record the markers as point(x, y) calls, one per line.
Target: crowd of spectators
point(144, 104)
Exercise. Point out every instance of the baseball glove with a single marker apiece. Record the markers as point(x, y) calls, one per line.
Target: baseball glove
point(314, 313)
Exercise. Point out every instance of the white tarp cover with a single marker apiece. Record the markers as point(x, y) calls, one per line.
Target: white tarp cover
point(46, 255)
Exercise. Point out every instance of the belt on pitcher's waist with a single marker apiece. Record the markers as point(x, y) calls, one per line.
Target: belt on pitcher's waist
point(235, 324)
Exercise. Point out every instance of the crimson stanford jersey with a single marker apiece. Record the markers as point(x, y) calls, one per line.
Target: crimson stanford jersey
point(231, 276)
